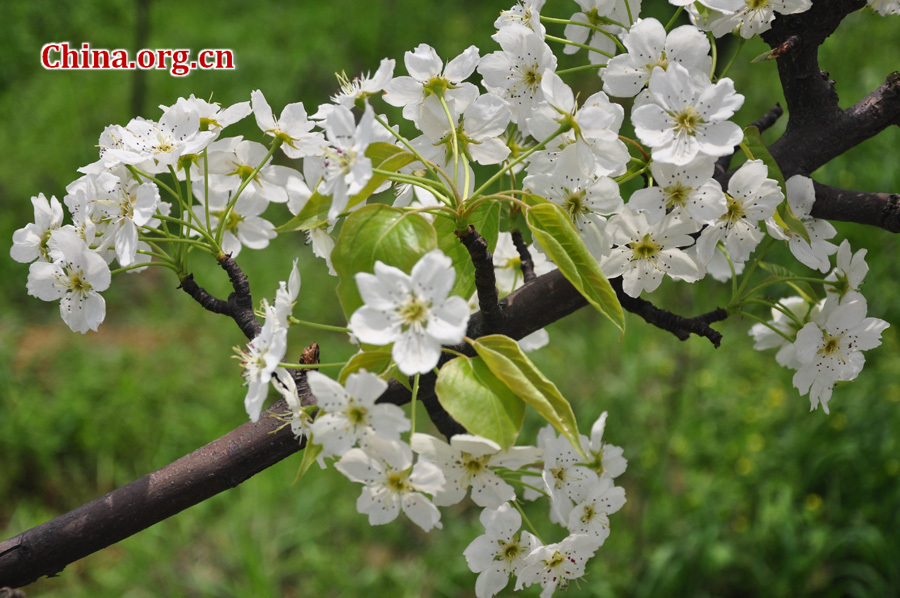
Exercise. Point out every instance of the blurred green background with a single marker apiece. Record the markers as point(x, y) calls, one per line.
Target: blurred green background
point(734, 488)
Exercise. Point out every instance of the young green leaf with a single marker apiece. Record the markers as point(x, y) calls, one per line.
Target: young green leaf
point(478, 400)
point(553, 229)
point(377, 361)
point(378, 233)
point(505, 359)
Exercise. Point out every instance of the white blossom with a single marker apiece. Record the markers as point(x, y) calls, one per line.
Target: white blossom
point(392, 483)
point(413, 311)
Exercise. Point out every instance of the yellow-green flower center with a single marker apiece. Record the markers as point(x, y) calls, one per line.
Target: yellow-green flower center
point(687, 121)
point(398, 481)
point(676, 195)
point(645, 249)
point(735, 210)
point(415, 312)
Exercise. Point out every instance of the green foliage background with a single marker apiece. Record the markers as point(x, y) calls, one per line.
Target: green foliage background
point(733, 488)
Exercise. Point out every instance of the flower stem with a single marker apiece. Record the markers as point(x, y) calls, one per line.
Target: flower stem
point(316, 325)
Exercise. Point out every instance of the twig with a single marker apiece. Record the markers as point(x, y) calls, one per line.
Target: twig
point(239, 306)
point(485, 281)
point(526, 263)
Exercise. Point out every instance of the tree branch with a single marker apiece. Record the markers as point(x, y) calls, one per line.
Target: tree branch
point(874, 209)
point(239, 306)
point(485, 281)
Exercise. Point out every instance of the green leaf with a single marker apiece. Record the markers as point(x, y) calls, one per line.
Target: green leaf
point(384, 156)
point(478, 400)
point(378, 233)
point(553, 229)
point(486, 220)
point(801, 286)
point(309, 457)
point(377, 361)
point(505, 359)
point(756, 149)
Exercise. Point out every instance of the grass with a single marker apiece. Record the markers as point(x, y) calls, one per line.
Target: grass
point(733, 487)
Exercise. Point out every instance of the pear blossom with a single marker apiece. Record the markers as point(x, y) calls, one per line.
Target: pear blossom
point(260, 359)
point(212, 116)
point(347, 169)
point(831, 350)
point(428, 76)
point(554, 565)
point(244, 227)
point(356, 91)
point(293, 127)
point(682, 117)
point(591, 23)
point(642, 253)
point(849, 273)
point(515, 72)
point(591, 512)
point(649, 47)
point(593, 128)
point(477, 132)
point(801, 196)
point(468, 461)
point(586, 198)
point(412, 311)
point(751, 17)
point(500, 552)
point(788, 317)
point(349, 415)
point(688, 191)
point(122, 205)
point(508, 263)
point(156, 146)
point(751, 198)
point(30, 241)
point(392, 483)
point(238, 159)
point(75, 275)
point(608, 460)
point(523, 12)
point(885, 7)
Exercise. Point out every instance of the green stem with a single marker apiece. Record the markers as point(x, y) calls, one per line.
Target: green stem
point(522, 157)
point(316, 325)
point(527, 521)
point(674, 18)
point(226, 214)
point(164, 264)
point(733, 57)
point(584, 67)
point(562, 40)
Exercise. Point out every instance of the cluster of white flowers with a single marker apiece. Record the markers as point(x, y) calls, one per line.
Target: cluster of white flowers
point(525, 120)
point(824, 341)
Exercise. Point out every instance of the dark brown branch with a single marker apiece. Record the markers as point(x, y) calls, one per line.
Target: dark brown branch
point(874, 209)
point(680, 326)
point(526, 263)
point(818, 130)
point(485, 281)
point(239, 306)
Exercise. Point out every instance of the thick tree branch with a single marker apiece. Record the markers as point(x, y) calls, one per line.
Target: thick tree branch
point(874, 209)
point(818, 130)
